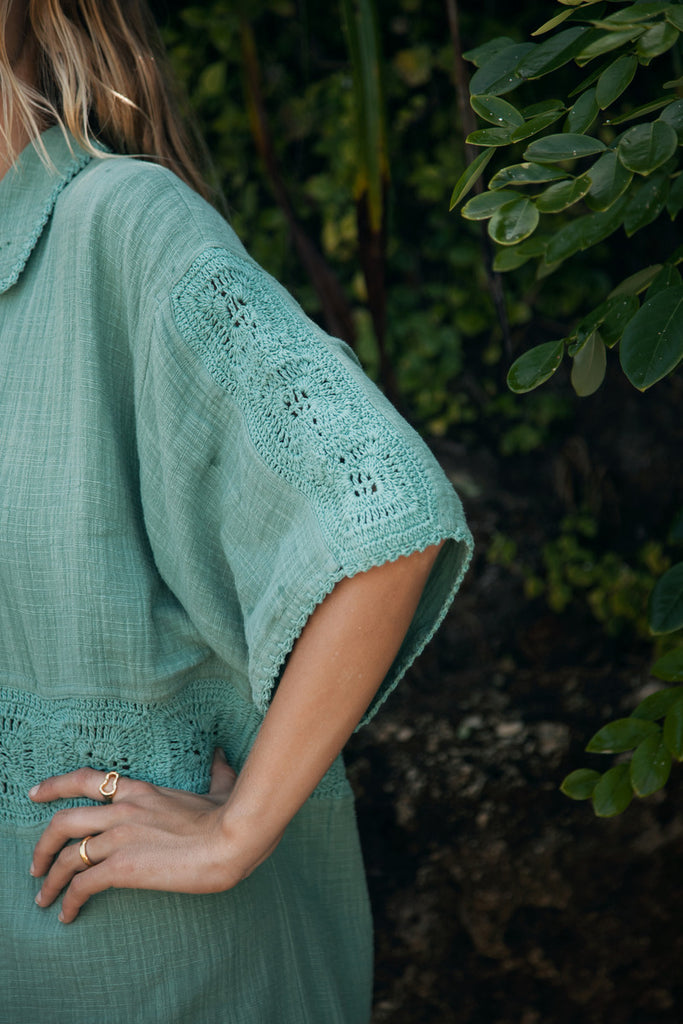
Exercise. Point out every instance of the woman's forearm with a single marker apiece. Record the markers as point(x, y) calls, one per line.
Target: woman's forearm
point(333, 672)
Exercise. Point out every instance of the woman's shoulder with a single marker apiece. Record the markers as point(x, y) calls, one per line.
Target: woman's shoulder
point(144, 217)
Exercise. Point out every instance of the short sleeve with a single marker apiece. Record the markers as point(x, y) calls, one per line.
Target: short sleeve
point(271, 468)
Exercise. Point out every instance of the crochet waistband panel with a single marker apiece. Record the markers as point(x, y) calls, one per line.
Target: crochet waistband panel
point(169, 743)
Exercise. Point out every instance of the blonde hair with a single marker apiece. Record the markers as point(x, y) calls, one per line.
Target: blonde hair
point(101, 73)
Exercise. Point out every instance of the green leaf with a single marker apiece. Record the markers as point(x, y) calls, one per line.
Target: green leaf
point(673, 115)
point(674, 203)
point(650, 766)
point(513, 221)
point(641, 10)
point(615, 79)
point(583, 113)
point(490, 137)
point(590, 363)
point(647, 146)
point(496, 111)
point(499, 74)
point(548, 26)
point(484, 206)
point(673, 730)
point(666, 600)
point(609, 179)
point(482, 54)
point(525, 174)
point(564, 146)
point(535, 367)
point(620, 735)
point(670, 667)
point(613, 793)
point(563, 194)
point(579, 784)
point(544, 107)
point(636, 283)
point(584, 232)
point(606, 42)
point(610, 317)
point(536, 124)
point(510, 259)
point(469, 177)
point(668, 277)
point(553, 53)
point(656, 40)
point(674, 16)
point(646, 203)
point(657, 704)
point(653, 341)
point(647, 108)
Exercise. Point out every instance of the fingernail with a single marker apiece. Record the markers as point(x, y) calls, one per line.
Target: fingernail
point(32, 869)
point(61, 917)
point(39, 899)
point(34, 791)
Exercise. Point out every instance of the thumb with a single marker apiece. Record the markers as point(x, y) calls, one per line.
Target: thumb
point(222, 775)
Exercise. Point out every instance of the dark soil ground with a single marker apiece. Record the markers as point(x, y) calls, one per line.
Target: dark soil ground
point(497, 900)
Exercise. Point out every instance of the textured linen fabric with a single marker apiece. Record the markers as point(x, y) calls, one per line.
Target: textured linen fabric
point(188, 466)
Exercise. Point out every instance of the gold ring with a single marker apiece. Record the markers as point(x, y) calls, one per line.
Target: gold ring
point(112, 780)
point(82, 849)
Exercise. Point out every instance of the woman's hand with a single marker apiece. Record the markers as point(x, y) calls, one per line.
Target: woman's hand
point(146, 838)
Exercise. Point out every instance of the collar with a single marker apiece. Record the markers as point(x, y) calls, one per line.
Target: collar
point(28, 193)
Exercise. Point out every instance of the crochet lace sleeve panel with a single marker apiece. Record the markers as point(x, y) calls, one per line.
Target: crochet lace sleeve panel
point(308, 411)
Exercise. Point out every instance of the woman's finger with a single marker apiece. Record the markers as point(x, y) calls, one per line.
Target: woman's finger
point(84, 885)
point(67, 825)
point(71, 861)
point(84, 782)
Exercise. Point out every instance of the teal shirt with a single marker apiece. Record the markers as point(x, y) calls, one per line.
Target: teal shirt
point(188, 466)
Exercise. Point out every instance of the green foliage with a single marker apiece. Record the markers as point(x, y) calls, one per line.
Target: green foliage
point(634, 181)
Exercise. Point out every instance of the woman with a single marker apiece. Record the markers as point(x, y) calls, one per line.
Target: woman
point(216, 539)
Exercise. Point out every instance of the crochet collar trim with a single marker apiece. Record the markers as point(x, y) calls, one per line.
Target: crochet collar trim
point(28, 193)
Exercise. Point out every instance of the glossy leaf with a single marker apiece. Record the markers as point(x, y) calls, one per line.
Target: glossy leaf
point(480, 55)
point(544, 107)
point(496, 111)
point(657, 704)
point(613, 793)
point(668, 277)
point(646, 203)
point(564, 146)
point(584, 232)
point(499, 74)
point(469, 177)
point(639, 11)
point(553, 53)
point(670, 667)
point(653, 341)
point(620, 735)
point(609, 180)
point(605, 43)
point(673, 115)
point(666, 601)
point(610, 317)
point(563, 194)
point(590, 363)
point(615, 79)
point(579, 785)
point(509, 259)
point(674, 15)
point(484, 206)
point(490, 137)
point(674, 203)
point(636, 112)
point(536, 124)
point(636, 283)
point(528, 173)
point(656, 40)
point(535, 367)
point(513, 221)
point(583, 113)
point(650, 766)
point(673, 730)
point(548, 26)
point(645, 147)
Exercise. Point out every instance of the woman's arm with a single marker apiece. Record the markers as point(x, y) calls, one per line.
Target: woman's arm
point(154, 838)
